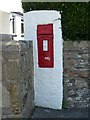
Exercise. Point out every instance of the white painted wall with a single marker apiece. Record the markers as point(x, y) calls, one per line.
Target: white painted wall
point(17, 26)
point(48, 83)
point(4, 23)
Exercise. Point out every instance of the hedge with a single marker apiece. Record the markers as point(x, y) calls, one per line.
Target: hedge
point(75, 17)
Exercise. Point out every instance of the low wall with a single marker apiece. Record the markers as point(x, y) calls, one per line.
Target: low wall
point(17, 79)
point(76, 74)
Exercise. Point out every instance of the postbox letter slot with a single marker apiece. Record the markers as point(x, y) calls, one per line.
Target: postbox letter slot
point(45, 45)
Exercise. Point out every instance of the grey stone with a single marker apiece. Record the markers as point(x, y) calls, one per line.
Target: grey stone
point(17, 79)
point(76, 84)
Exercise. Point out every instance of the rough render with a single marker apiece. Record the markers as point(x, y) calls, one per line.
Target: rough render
point(17, 79)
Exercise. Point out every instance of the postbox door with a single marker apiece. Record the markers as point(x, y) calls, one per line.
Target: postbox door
point(45, 46)
point(45, 51)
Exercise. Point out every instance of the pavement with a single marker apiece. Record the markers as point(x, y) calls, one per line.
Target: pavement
point(40, 112)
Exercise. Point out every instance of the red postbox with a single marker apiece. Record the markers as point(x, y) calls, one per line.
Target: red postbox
point(45, 46)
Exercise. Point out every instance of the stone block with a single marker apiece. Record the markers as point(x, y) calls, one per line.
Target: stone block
point(68, 45)
point(71, 92)
point(81, 83)
point(70, 55)
point(72, 73)
point(83, 74)
point(83, 44)
point(76, 44)
point(70, 63)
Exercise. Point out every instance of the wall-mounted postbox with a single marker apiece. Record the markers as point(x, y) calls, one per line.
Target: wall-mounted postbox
point(44, 29)
point(45, 46)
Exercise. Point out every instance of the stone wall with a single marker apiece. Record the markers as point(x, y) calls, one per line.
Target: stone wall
point(17, 79)
point(76, 74)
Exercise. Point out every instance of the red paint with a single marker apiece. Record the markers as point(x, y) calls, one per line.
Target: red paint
point(45, 58)
point(45, 29)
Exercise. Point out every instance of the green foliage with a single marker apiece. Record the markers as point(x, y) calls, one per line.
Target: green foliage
point(64, 104)
point(75, 17)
